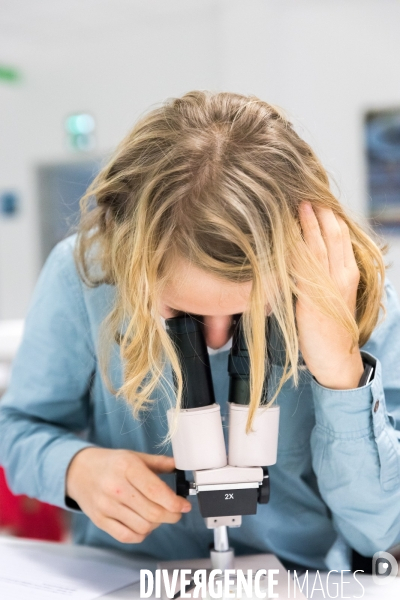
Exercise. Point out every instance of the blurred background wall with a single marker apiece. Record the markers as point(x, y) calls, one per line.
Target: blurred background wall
point(327, 62)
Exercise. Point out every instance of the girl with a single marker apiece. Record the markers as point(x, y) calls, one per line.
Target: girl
point(214, 206)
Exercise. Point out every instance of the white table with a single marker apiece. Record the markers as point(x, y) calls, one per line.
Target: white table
point(372, 591)
point(85, 552)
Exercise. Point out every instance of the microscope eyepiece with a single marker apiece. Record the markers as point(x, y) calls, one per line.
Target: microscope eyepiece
point(187, 336)
point(239, 368)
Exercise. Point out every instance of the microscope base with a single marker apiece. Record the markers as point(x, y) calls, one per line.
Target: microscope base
point(254, 562)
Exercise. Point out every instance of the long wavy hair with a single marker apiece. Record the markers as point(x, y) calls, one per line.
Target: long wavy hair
point(216, 179)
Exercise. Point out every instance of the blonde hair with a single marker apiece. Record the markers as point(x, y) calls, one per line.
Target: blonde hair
point(217, 179)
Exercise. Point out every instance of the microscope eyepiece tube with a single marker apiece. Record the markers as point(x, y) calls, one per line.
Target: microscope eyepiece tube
point(239, 368)
point(259, 447)
point(198, 441)
point(187, 336)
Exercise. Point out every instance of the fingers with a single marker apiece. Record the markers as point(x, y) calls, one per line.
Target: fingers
point(125, 511)
point(312, 233)
point(154, 489)
point(149, 510)
point(332, 237)
point(348, 252)
point(131, 519)
point(121, 493)
point(120, 532)
point(136, 522)
point(157, 462)
point(328, 238)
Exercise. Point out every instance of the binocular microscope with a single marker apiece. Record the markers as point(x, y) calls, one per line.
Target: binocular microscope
point(227, 486)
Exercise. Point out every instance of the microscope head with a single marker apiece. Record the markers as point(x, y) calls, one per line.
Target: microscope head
point(227, 485)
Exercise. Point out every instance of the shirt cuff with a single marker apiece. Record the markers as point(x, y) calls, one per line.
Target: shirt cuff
point(56, 465)
point(352, 413)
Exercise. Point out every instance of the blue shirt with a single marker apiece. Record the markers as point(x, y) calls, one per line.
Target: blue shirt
point(336, 483)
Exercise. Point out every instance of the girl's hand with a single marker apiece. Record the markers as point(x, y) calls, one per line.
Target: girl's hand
point(121, 493)
point(325, 345)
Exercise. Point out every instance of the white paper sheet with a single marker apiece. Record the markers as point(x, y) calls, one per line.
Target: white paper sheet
point(39, 573)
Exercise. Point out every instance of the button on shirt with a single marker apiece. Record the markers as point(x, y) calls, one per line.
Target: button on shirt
point(336, 483)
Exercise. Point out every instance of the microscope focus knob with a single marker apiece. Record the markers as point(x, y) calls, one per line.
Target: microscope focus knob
point(264, 489)
point(181, 483)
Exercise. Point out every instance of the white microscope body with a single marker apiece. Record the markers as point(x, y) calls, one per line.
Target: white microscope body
point(227, 486)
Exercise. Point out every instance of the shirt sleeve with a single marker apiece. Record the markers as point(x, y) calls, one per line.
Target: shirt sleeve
point(355, 444)
point(47, 403)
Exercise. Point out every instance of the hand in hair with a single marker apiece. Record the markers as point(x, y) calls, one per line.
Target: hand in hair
point(326, 347)
point(120, 492)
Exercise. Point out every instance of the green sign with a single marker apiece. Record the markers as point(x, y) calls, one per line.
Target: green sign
point(9, 74)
